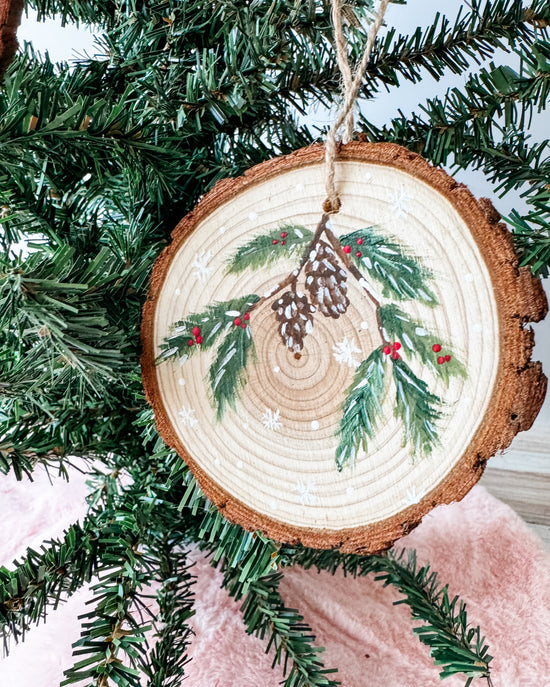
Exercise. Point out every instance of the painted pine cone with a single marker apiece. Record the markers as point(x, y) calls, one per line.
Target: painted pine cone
point(326, 281)
point(295, 314)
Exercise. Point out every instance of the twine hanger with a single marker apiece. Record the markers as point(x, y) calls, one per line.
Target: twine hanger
point(352, 85)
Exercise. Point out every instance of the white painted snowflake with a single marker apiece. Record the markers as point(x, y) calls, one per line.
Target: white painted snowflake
point(400, 202)
point(344, 352)
point(270, 419)
point(200, 264)
point(412, 497)
point(187, 416)
point(305, 492)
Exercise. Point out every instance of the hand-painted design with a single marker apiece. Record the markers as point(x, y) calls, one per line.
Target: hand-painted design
point(271, 419)
point(326, 262)
point(344, 352)
point(187, 417)
point(400, 202)
point(413, 497)
point(305, 492)
point(200, 264)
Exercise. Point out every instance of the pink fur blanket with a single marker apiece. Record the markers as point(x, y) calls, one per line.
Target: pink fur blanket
point(479, 546)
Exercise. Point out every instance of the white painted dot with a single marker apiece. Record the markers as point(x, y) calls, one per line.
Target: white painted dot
point(245, 425)
point(177, 292)
point(314, 424)
point(222, 229)
point(350, 491)
point(181, 381)
point(477, 328)
point(276, 369)
point(273, 505)
point(469, 277)
point(217, 461)
point(253, 216)
point(364, 325)
point(299, 187)
point(240, 465)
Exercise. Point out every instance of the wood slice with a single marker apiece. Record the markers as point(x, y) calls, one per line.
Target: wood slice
point(409, 366)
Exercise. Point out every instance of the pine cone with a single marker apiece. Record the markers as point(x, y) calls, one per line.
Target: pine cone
point(326, 281)
point(295, 314)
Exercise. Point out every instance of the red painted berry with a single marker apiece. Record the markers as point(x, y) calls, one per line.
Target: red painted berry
point(190, 342)
point(440, 360)
point(198, 339)
point(386, 350)
point(247, 316)
point(283, 243)
point(237, 322)
point(243, 326)
point(274, 242)
point(436, 348)
point(447, 358)
point(395, 355)
point(196, 331)
point(359, 242)
point(358, 254)
point(347, 249)
point(284, 234)
point(396, 346)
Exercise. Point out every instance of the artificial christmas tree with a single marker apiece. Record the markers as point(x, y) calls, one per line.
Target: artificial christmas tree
point(98, 163)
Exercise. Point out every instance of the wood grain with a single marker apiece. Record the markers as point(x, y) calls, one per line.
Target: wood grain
point(528, 493)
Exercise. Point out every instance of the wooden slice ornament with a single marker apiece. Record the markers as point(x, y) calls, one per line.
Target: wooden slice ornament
point(330, 379)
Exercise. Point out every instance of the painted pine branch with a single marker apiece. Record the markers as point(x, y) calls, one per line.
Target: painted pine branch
point(383, 259)
point(227, 373)
point(216, 320)
point(417, 408)
point(429, 348)
point(287, 241)
point(362, 409)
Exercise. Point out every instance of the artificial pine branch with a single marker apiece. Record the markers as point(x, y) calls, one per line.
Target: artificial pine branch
point(288, 637)
point(45, 578)
point(111, 629)
point(455, 646)
point(164, 665)
point(473, 36)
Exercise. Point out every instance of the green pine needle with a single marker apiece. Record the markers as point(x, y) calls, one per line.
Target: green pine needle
point(361, 409)
point(417, 408)
point(385, 260)
point(261, 251)
point(228, 371)
point(217, 319)
point(398, 326)
point(454, 645)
